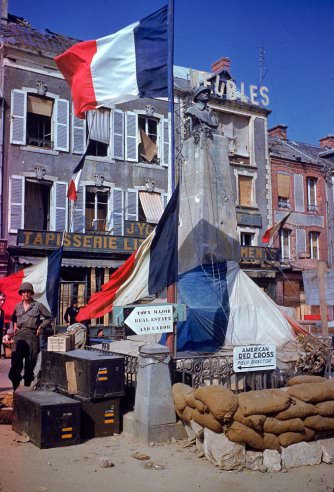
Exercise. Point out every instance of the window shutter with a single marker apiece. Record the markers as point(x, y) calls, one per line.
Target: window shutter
point(118, 134)
point(298, 184)
point(131, 131)
point(78, 224)
point(164, 154)
point(283, 185)
point(78, 134)
point(18, 112)
point(116, 212)
point(61, 125)
point(131, 205)
point(241, 134)
point(60, 208)
point(16, 203)
point(245, 191)
point(164, 198)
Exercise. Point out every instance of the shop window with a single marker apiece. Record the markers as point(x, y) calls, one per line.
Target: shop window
point(39, 121)
point(314, 245)
point(285, 240)
point(96, 208)
point(283, 190)
point(246, 239)
point(245, 189)
point(312, 194)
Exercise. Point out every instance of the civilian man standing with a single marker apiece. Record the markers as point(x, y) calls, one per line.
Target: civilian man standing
point(30, 318)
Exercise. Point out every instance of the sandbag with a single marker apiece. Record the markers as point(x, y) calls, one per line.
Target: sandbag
point(313, 392)
point(325, 408)
point(271, 441)
point(190, 399)
point(263, 402)
point(221, 402)
point(319, 423)
point(297, 408)
point(178, 392)
point(275, 426)
point(207, 420)
point(238, 432)
point(288, 438)
point(305, 379)
point(187, 414)
point(200, 406)
point(253, 421)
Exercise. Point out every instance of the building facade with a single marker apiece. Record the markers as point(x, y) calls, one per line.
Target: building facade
point(300, 186)
point(123, 186)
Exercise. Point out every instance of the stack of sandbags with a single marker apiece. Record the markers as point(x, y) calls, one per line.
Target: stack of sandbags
point(265, 419)
point(209, 406)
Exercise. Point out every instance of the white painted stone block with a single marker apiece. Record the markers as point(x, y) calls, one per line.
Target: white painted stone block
point(301, 454)
point(272, 460)
point(222, 452)
point(254, 461)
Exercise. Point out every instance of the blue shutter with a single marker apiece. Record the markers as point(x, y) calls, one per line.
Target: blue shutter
point(131, 139)
point(61, 125)
point(60, 206)
point(131, 205)
point(117, 212)
point(118, 134)
point(18, 112)
point(78, 135)
point(16, 203)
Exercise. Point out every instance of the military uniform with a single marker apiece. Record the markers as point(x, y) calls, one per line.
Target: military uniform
point(26, 341)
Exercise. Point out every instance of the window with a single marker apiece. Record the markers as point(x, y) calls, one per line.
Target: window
point(36, 204)
point(39, 121)
point(246, 239)
point(283, 190)
point(245, 190)
point(236, 128)
point(98, 132)
point(96, 208)
point(314, 245)
point(285, 236)
point(312, 194)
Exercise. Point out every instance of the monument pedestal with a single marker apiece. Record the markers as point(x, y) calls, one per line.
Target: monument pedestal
point(153, 419)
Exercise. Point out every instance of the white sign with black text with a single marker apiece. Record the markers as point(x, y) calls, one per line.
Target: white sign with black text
point(254, 358)
point(145, 320)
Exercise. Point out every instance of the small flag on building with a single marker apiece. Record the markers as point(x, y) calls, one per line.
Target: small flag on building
point(274, 229)
point(128, 64)
point(148, 271)
point(72, 192)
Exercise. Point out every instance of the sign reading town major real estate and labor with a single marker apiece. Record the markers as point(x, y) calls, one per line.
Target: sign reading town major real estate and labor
point(254, 358)
point(151, 319)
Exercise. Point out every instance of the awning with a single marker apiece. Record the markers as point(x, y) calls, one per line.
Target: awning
point(152, 206)
point(75, 262)
point(38, 105)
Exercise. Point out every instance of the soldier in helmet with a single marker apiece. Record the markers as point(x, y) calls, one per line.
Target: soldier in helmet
point(201, 116)
point(30, 318)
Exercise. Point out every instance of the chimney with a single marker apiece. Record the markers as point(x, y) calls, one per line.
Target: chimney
point(221, 64)
point(278, 131)
point(4, 11)
point(327, 142)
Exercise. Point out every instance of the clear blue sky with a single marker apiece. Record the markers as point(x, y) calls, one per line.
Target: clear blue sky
point(297, 36)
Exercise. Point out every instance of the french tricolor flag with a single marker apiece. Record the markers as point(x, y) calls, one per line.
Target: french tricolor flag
point(72, 192)
point(44, 276)
point(149, 270)
point(128, 64)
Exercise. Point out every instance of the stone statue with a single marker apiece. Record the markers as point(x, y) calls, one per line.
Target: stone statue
point(202, 118)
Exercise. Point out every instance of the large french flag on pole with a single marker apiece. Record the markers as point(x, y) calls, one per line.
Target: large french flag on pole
point(128, 64)
point(146, 272)
point(44, 276)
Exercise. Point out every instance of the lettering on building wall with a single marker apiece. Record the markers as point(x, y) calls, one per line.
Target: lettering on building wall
point(78, 242)
point(257, 95)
